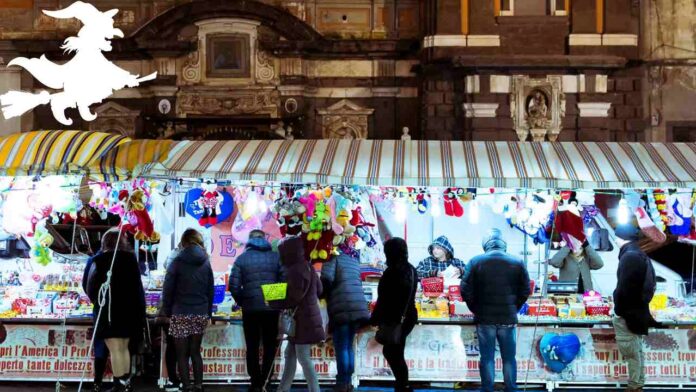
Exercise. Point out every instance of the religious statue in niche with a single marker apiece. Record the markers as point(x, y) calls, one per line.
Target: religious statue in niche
point(537, 110)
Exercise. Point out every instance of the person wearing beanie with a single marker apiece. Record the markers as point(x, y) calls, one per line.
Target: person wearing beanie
point(441, 256)
point(635, 288)
point(495, 287)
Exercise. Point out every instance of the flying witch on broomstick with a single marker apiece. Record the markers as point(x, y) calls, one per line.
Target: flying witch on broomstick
point(86, 79)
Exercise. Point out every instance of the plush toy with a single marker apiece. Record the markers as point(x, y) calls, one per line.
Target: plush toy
point(138, 221)
point(210, 202)
point(42, 242)
point(452, 205)
point(679, 213)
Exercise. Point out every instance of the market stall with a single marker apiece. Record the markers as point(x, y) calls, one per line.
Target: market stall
point(353, 194)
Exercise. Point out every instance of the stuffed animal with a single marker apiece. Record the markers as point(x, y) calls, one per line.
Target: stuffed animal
point(138, 221)
point(210, 202)
point(42, 242)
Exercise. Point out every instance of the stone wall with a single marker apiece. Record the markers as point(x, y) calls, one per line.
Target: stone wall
point(669, 49)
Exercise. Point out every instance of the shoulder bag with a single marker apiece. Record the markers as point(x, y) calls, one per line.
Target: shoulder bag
point(392, 333)
point(286, 322)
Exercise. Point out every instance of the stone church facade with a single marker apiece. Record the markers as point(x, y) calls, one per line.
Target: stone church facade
point(565, 70)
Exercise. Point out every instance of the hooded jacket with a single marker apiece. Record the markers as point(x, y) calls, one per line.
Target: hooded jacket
point(258, 265)
point(188, 286)
point(304, 289)
point(431, 266)
point(397, 290)
point(340, 277)
point(635, 289)
point(125, 301)
point(571, 269)
point(496, 284)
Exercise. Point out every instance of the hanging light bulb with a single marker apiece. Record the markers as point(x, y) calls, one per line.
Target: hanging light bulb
point(401, 210)
point(474, 212)
point(435, 208)
point(623, 213)
point(252, 202)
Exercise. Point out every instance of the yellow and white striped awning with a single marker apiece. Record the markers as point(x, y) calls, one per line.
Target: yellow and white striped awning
point(413, 163)
point(53, 152)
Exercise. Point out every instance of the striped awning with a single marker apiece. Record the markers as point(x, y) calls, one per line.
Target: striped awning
point(53, 152)
point(132, 159)
point(414, 163)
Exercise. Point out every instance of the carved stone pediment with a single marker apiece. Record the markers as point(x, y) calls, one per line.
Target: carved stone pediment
point(345, 120)
point(226, 102)
point(115, 118)
point(537, 107)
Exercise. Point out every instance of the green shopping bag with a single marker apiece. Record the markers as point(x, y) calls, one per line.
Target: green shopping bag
point(274, 292)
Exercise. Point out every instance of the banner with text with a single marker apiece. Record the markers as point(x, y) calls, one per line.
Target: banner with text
point(45, 352)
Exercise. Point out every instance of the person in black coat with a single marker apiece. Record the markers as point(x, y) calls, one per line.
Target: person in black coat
point(348, 311)
point(122, 316)
point(495, 287)
point(187, 298)
point(101, 353)
point(303, 291)
point(396, 300)
point(257, 266)
point(635, 288)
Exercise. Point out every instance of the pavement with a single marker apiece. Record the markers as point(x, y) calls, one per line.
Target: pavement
point(152, 387)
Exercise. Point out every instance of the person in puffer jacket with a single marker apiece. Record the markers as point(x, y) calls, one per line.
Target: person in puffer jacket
point(257, 266)
point(495, 287)
point(441, 256)
point(348, 311)
point(303, 291)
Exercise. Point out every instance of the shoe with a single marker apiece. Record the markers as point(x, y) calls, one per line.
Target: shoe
point(118, 386)
point(172, 387)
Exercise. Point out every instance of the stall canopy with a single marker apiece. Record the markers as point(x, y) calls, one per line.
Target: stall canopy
point(411, 163)
point(53, 152)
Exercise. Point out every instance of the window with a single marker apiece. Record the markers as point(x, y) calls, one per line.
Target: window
point(532, 7)
point(507, 7)
point(560, 7)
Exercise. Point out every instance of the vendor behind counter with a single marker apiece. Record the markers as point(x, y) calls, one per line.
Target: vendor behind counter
point(441, 257)
point(576, 266)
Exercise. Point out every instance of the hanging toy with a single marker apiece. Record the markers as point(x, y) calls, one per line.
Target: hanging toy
point(138, 221)
point(661, 205)
point(680, 213)
point(452, 205)
point(210, 202)
point(40, 250)
point(422, 202)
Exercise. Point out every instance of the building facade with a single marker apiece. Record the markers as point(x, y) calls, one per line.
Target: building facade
point(567, 70)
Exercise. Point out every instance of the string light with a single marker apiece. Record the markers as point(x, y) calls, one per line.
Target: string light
point(474, 212)
point(401, 210)
point(435, 209)
point(623, 212)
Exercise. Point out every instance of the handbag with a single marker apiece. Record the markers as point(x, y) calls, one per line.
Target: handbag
point(286, 321)
point(392, 333)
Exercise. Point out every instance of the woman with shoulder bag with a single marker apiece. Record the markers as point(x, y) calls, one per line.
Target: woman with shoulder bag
point(120, 317)
point(187, 297)
point(303, 291)
point(395, 314)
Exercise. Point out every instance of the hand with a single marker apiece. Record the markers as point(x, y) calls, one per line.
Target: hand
point(440, 274)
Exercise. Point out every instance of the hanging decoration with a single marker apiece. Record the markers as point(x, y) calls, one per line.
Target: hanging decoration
point(137, 220)
point(655, 214)
point(531, 214)
point(568, 221)
point(208, 205)
point(452, 205)
point(40, 251)
point(679, 212)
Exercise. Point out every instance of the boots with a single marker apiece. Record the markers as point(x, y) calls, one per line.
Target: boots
point(119, 385)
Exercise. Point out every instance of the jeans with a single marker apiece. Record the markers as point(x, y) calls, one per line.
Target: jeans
point(260, 327)
point(631, 349)
point(506, 337)
point(343, 336)
point(293, 354)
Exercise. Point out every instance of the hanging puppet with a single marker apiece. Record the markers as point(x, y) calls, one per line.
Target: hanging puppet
point(210, 202)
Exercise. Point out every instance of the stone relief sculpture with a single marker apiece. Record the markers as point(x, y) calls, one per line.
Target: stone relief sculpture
point(537, 107)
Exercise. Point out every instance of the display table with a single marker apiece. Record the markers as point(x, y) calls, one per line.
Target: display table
point(437, 351)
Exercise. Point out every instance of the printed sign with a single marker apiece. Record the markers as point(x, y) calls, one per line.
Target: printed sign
point(45, 352)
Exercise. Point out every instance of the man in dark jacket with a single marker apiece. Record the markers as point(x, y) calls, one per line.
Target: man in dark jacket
point(495, 287)
point(634, 290)
point(348, 311)
point(258, 265)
